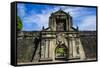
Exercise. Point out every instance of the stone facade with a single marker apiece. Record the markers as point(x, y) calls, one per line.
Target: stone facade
point(60, 41)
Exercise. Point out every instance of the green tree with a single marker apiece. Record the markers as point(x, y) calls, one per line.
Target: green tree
point(19, 24)
point(60, 50)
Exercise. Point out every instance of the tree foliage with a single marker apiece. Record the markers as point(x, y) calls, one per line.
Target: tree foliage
point(60, 50)
point(19, 24)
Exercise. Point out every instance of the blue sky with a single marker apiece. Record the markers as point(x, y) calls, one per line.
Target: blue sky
point(35, 16)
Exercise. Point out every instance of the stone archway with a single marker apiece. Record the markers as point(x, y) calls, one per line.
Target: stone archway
point(61, 52)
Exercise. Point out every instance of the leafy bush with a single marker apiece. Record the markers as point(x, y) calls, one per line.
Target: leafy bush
point(19, 24)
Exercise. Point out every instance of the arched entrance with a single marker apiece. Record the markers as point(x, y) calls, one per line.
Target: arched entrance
point(61, 52)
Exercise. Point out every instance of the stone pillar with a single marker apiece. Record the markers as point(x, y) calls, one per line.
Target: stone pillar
point(66, 24)
point(50, 49)
point(54, 24)
point(70, 49)
point(74, 48)
point(69, 22)
point(42, 49)
point(54, 47)
point(50, 23)
point(81, 51)
point(46, 49)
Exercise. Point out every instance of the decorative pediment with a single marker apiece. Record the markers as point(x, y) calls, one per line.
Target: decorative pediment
point(60, 12)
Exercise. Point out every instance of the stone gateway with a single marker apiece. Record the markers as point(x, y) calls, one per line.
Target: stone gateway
point(60, 40)
point(57, 43)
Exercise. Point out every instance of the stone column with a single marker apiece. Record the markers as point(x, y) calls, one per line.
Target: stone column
point(50, 23)
point(74, 48)
point(54, 46)
point(50, 49)
point(46, 49)
point(81, 51)
point(70, 48)
point(66, 24)
point(69, 22)
point(54, 24)
point(42, 49)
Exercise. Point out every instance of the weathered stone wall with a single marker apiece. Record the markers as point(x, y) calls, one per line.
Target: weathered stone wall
point(88, 40)
point(26, 47)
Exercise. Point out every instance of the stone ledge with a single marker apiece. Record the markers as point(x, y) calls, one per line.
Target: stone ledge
point(46, 59)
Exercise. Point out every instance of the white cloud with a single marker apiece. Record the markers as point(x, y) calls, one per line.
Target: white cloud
point(76, 11)
point(39, 19)
point(89, 23)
